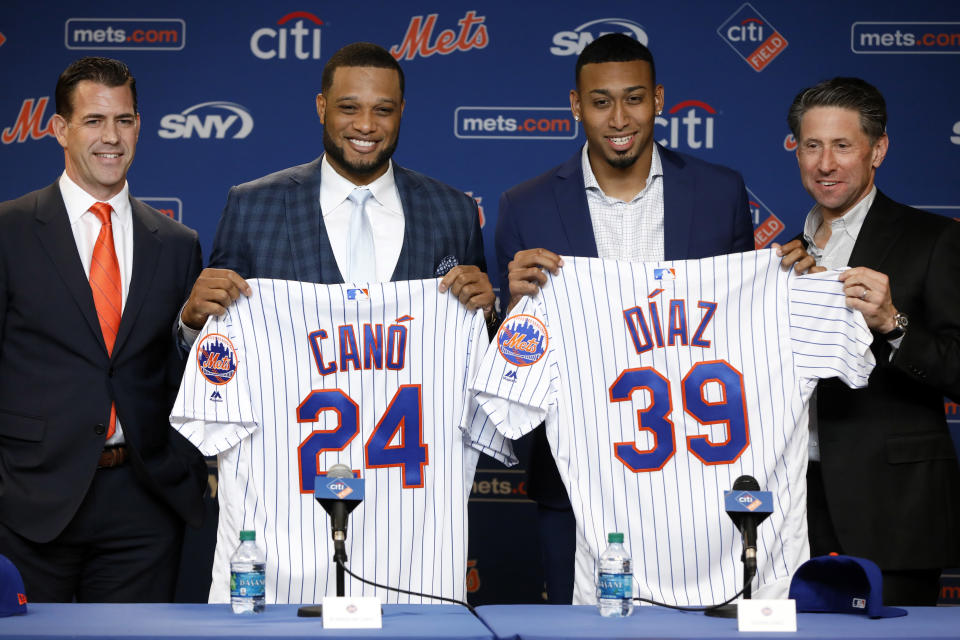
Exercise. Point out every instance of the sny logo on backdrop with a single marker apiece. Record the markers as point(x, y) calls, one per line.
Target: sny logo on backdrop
point(420, 32)
point(207, 120)
point(571, 43)
point(752, 37)
point(170, 207)
point(683, 118)
point(267, 43)
point(141, 34)
point(905, 37)
point(540, 123)
point(766, 225)
point(955, 138)
point(28, 122)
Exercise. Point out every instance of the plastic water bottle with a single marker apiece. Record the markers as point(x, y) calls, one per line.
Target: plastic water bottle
point(615, 579)
point(248, 575)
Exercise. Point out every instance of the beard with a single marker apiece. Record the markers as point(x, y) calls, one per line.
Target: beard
point(622, 160)
point(369, 167)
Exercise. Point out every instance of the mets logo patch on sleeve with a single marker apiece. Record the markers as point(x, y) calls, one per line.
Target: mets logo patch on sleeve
point(216, 358)
point(522, 340)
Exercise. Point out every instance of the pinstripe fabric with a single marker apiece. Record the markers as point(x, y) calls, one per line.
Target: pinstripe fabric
point(716, 396)
point(272, 228)
point(403, 535)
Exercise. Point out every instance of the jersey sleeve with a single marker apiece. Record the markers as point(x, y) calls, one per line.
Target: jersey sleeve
point(479, 431)
point(828, 338)
point(515, 382)
point(213, 409)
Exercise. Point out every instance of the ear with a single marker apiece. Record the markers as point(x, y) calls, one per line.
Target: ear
point(321, 107)
point(575, 105)
point(658, 99)
point(403, 103)
point(60, 129)
point(880, 150)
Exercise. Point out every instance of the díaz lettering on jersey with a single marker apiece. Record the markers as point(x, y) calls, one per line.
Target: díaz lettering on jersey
point(216, 358)
point(358, 294)
point(522, 340)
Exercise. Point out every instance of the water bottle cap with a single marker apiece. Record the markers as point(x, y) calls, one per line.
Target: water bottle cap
point(615, 537)
point(246, 534)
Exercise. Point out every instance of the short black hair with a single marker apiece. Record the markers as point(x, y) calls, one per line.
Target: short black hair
point(105, 71)
point(360, 54)
point(614, 47)
point(846, 93)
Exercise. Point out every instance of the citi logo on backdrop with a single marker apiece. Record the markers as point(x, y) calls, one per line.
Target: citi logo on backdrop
point(297, 35)
point(571, 43)
point(752, 36)
point(419, 39)
point(217, 119)
point(689, 124)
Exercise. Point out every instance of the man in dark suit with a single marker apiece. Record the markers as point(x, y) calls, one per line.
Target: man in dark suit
point(297, 224)
point(883, 480)
point(624, 197)
point(94, 483)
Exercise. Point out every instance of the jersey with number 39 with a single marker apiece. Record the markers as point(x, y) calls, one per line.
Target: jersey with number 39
point(299, 377)
point(660, 384)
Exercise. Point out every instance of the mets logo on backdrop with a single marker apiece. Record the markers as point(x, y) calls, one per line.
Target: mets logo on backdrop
point(752, 37)
point(216, 358)
point(522, 340)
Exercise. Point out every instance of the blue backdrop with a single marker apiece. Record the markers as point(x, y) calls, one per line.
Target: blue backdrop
point(227, 94)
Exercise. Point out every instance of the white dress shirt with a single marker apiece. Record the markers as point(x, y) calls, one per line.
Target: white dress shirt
point(86, 227)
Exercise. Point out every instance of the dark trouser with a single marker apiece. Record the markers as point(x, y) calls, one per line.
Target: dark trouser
point(558, 540)
point(123, 545)
point(907, 588)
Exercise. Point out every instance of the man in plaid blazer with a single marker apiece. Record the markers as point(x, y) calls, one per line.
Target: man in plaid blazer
point(293, 224)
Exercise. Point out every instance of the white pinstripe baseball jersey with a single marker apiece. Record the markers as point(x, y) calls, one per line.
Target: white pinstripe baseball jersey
point(660, 384)
point(299, 377)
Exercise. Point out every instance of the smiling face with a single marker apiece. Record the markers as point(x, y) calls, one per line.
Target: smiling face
point(837, 160)
point(100, 138)
point(361, 113)
point(618, 103)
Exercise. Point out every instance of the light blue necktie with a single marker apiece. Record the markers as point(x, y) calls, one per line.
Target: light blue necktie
point(361, 259)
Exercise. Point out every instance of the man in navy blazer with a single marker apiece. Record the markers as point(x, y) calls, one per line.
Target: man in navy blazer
point(86, 514)
point(293, 224)
point(623, 196)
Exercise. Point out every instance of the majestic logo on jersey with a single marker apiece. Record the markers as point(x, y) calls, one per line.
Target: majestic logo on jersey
point(358, 294)
point(215, 396)
point(510, 376)
point(522, 340)
point(216, 358)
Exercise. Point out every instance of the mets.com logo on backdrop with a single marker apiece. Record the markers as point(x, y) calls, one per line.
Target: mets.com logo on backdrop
point(140, 34)
point(539, 123)
point(905, 37)
point(752, 37)
point(571, 43)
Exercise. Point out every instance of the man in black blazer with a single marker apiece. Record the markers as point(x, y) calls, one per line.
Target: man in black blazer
point(883, 479)
point(94, 483)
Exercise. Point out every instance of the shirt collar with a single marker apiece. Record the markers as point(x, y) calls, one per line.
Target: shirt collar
point(590, 180)
point(383, 189)
point(849, 223)
point(78, 201)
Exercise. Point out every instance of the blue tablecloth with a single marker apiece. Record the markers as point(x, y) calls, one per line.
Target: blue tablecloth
point(578, 622)
point(204, 621)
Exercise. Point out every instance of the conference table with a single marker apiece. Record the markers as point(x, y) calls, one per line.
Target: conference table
point(504, 622)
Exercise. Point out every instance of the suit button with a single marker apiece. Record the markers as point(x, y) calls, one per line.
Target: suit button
point(99, 429)
point(110, 372)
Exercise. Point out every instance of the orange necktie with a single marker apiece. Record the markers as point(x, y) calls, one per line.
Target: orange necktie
point(105, 284)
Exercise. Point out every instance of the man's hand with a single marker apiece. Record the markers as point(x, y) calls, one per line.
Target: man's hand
point(868, 292)
point(212, 293)
point(525, 272)
point(471, 286)
point(794, 255)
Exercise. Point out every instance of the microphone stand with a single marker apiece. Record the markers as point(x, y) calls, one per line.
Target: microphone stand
point(730, 610)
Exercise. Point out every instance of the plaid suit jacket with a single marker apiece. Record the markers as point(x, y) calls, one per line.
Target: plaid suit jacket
point(273, 228)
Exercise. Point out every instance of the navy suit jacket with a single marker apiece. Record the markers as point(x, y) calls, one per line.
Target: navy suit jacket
point(706, 213)
point(57, 381)
point(273, 228)
point(888, 464)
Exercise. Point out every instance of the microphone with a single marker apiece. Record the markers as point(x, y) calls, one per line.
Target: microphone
point(339, 493)
point(747, 506)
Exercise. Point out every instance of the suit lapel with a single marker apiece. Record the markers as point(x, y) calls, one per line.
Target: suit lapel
point(573, 210)
point(678, 197)
point(878, 234)
point(418, 230)
point(57, 239)
point(146, 254)
point(312, 255)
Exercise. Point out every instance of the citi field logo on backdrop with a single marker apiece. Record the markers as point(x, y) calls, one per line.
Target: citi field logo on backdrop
point(297, 35)
point(689, 124)
point(30, 122)
point(766, 225)
point(571, 43)
point(905, 37)
point(141, 34)
point(420, 41)
point(752, 37)
point(217, 119)
point(3, 39)
point(517, 123)
point(170, 207)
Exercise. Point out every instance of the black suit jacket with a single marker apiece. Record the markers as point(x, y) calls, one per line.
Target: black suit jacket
point(57, 381)
point(888, 463)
